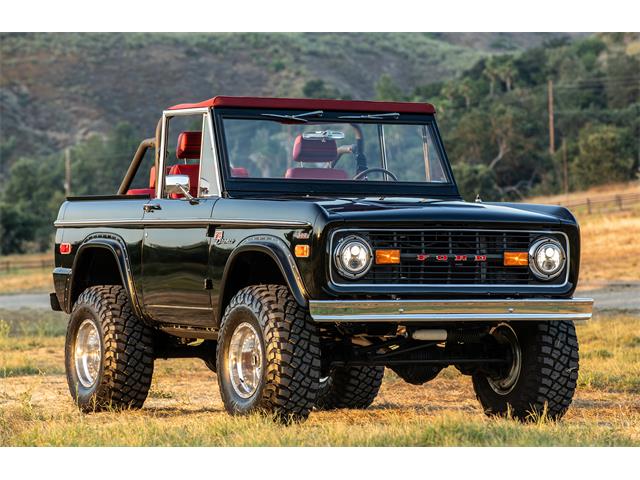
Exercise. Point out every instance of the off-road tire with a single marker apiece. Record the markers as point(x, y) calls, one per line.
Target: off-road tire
point(350, 387)
point(126, 367)
point(548, 375)
point(290, 352)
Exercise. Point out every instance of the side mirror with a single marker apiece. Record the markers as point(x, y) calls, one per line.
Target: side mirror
point(178, 184)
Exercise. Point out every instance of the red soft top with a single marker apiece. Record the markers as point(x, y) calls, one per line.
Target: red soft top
point(310, 104)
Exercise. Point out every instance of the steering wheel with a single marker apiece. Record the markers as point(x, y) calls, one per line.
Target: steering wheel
point(363, 173)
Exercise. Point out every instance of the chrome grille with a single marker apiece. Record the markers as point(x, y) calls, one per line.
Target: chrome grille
point(423, 252)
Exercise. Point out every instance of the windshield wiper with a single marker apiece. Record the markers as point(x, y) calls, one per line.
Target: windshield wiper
point(297, 118)
point(374, 116)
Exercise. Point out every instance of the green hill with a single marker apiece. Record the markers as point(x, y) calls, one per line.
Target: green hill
point(57, 89)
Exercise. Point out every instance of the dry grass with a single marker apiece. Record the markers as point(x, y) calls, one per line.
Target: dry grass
point(594, 193)
point(26, 280)
point(184, 407)
point(610, 246)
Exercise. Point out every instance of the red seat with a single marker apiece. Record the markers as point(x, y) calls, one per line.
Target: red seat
point(315, 151)
point(151, 191)
point(239, 172)
point(193, 171)
point(188, 146)
point(142, 191)
point(317, 173)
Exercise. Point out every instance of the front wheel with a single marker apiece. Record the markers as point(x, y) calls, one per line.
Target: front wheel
point(268, 356)
point(541, 375)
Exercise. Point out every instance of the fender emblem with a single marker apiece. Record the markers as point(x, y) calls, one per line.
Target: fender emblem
point(218, 238)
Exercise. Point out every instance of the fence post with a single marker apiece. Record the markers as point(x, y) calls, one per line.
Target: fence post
point(588, 206)
point(619, 200)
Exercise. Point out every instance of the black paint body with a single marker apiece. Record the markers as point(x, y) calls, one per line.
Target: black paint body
point(176, 261)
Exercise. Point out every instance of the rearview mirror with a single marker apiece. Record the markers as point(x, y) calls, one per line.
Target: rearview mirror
point(323, 135)
point(178, 184)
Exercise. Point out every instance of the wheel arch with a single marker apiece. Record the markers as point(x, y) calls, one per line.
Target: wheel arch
point(108, 252)
point(265, 248)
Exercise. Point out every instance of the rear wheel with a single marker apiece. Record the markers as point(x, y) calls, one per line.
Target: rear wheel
point(541, 375)
point(108, 351)
point(350, 387)
point(268, 356)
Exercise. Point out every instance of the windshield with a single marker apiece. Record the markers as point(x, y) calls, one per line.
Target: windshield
point(321, 147)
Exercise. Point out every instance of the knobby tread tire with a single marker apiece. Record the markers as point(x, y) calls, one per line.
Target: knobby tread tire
point(351, 387)
point(292, 353)
point(548, 377)
point(127, 369)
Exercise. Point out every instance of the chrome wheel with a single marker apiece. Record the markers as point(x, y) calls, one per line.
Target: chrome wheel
point(87, 353)
point(507, 380)
point(245, 360)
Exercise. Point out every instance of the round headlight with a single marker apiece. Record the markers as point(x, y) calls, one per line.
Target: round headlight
point(353, 257)
point(546, 258)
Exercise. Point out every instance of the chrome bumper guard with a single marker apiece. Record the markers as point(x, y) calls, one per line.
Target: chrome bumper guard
point(412, 311)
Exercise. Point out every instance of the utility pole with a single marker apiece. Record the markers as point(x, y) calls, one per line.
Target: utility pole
point(565, 167)
point(552, 136)
point(67, 172)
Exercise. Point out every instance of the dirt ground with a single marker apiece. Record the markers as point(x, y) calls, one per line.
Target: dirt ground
point(184, 406)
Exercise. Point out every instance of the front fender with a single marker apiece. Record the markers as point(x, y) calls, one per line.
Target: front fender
point(278, 250)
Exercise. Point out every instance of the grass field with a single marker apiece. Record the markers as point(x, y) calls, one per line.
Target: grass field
point(184, 407)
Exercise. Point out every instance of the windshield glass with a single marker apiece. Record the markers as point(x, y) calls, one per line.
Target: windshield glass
point(346, 148)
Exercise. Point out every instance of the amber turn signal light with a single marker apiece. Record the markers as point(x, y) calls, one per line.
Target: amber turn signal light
point(387, 257)
point(302, 251)
point(516, 259)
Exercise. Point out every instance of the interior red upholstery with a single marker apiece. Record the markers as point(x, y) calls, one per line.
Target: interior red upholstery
point(193, 172)
point(314, 150)
point(239, 172)
point(188, 146)
point(152, 177)
point(317, 173)
point(142, 191)
point(151, 191)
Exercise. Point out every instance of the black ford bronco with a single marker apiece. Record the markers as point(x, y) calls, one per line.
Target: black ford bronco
point(299, 247)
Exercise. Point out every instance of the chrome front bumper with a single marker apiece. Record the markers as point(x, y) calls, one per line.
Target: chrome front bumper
point(412, 311)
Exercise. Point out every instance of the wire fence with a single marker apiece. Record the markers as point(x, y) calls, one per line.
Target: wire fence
point(12, 266)
point(603, 204)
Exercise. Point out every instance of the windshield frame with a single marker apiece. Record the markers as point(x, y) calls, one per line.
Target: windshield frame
point(240, 186)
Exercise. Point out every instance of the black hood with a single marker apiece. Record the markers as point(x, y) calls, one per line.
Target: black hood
point(412, 210)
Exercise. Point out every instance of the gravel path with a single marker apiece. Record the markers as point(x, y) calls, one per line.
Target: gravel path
point(607, 295)
point(18, 301)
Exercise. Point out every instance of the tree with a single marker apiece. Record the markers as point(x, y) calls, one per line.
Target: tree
point(386, 89)
point(317, 88)
point(476, 180)
point(603, 157)
point(491, 72)
point(507, 72)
